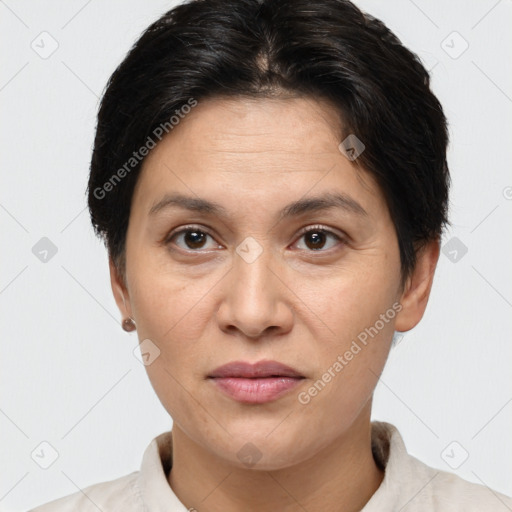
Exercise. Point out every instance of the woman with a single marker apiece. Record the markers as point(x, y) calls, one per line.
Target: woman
point(270, 180)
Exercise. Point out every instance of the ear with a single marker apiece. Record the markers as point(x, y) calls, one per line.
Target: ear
point(417, 287)
point(119, 290)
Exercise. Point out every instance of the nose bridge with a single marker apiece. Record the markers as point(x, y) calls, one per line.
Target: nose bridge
point(251, 267)
point(251, 301)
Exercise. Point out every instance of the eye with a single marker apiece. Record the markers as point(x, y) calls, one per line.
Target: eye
point(192, 237)
point(315, 238)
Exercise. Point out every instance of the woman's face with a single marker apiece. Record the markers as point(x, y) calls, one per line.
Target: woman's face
point(244, 283)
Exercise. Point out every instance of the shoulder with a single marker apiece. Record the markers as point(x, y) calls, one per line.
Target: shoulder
point(412, 485)
point(433, 489)
point(115, 495)
point(451, 492)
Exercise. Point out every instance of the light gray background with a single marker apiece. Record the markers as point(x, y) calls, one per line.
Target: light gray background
point(69, 376)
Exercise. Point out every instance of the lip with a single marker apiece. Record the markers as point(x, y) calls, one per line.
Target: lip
point(257, 383)
point(264, 368)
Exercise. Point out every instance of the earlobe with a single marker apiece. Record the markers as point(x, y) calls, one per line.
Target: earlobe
point(119, 290)
point(416, 291)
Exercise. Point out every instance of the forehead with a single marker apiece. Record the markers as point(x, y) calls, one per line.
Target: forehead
point(269, 151)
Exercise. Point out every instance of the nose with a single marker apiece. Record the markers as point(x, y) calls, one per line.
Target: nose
point(256, 300)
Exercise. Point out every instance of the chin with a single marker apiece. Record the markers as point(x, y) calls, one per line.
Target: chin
point(253, 448)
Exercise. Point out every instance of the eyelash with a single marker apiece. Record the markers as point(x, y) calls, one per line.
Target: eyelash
point(304, 231)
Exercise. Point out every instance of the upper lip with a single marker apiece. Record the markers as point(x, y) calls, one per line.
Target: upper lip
point(242, 369)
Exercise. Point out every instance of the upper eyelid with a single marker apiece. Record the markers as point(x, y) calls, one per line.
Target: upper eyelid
point(319, 227)
point(184, 229)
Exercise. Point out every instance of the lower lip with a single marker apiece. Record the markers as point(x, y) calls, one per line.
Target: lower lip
point(256, 391)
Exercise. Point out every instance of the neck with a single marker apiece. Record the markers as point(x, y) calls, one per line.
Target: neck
point(342, 477)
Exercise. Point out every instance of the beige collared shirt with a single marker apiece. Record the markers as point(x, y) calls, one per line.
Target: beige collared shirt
point(409, 485)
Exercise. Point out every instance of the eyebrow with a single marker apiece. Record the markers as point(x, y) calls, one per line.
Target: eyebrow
point(305, 205)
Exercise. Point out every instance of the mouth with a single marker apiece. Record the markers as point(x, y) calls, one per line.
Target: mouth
point(257, 383)
point(261, 369)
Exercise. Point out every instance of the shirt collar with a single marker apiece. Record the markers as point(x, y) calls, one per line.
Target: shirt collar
point(154, 489)
point(404, 477)
point(397, 488)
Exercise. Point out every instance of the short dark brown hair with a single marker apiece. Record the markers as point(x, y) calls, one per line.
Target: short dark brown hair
point(326, 49)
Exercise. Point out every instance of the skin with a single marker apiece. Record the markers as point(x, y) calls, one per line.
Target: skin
point(293, 304)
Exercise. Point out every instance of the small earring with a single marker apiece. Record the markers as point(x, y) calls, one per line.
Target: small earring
point(129, 325)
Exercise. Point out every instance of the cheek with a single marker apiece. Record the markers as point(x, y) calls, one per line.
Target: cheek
point(170, 306)
point(358, 310)
point(174, 315)
point(351, 302)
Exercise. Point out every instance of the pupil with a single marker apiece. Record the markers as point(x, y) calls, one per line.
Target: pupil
point(191, 239)
point(317, 239)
